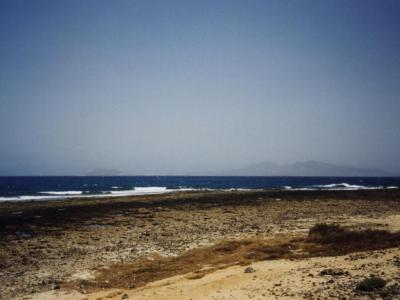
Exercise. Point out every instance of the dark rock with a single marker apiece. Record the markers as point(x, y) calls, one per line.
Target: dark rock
point(249, 270)
point(333, 272)
point(370, 284)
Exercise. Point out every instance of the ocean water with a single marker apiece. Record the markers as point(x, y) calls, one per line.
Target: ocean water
point(59, 187)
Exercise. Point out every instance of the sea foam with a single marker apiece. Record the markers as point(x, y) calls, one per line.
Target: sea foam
point(151, 190)
point(62, 193)
point(338, 187)
point(59, 195)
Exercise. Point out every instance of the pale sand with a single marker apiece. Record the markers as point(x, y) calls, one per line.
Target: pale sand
point(205, 224)
point(278, 279)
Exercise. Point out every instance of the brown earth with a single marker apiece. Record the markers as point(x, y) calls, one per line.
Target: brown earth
point(47, 245)
point(204, 260)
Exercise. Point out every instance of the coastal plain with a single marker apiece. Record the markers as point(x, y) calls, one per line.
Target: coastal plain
point(195, 245)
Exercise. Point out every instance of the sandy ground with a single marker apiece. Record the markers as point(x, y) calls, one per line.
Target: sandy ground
point(276, 279)
point(45, 245)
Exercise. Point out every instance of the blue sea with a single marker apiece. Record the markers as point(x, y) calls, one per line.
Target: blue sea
point(59, 187)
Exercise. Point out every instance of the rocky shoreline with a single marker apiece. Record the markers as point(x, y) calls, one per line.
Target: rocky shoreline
point(45, 244)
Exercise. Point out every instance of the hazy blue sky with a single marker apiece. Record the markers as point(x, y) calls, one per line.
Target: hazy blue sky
point(197, 86)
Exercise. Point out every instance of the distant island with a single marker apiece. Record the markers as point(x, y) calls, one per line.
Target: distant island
point(307, 168)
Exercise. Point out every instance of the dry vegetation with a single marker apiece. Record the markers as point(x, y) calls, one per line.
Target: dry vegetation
point(322, 240)
point(43, 244)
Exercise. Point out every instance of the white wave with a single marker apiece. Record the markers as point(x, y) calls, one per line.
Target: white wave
point(50, 195)
point(116, 187)
point(31, 198)
point(151, 189)
point(8, 198)
point(62, 193)
point(336, 187)
point(346, 186)
point(148, 190)
point(290, 188)
point(59, 195)
point(128, 193)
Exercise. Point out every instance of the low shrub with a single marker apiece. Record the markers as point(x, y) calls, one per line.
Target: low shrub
point(322, 231)
point(364, 239)
point(370, 284)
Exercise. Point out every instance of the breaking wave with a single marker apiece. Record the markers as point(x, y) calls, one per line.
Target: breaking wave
point(119, 191)
point(58, 195)
point(62, 193)
point(339, 187)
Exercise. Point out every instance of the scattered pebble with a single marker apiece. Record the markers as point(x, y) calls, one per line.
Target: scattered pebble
point(249, 270)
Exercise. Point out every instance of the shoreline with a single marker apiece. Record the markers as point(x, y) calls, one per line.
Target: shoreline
point(67, 195)
point(58, 188)
point(45, 244)
point(176, 194)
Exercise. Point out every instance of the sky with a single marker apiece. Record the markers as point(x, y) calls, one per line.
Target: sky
point(196, 87)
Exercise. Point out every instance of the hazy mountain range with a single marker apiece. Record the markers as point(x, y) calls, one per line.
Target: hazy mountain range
point(308, 168)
